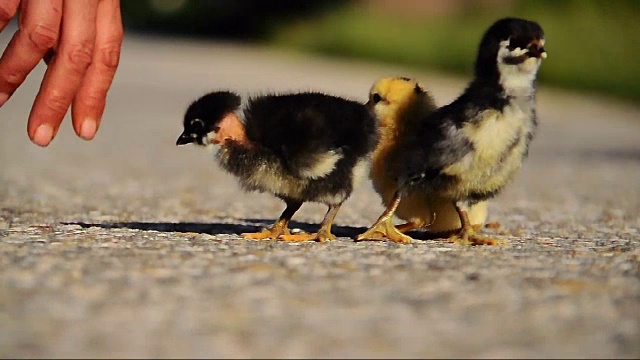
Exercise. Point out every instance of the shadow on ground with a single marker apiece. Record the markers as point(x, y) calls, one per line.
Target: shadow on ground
point(253, 225)
point(243, 226)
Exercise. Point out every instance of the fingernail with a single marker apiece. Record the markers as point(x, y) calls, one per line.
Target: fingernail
point(88, 129)
point(3, 98)
point(43, 135)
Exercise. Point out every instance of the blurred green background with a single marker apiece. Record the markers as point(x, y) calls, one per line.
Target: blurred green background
point(592, 44)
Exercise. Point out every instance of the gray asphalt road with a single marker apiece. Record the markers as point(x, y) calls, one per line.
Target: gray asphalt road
point(127, 245)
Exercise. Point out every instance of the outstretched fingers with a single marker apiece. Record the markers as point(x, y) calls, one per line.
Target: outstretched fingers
point(39, 32)
point(66, 70)
point(8, 9)
point(89, 103)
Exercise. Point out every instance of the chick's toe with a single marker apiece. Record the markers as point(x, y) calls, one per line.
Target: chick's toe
point(468, 236)
point(385, 230)
point(320, 236)
point(265, 234)
point(278, 229)
point(323, 234)
point(409, 226)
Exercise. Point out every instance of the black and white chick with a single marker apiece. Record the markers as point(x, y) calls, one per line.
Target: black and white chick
point(301, 147)
point(400, 104)
point(468, 150)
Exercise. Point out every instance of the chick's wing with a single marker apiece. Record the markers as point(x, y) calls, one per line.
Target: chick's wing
point(438, 144)
point(310, 133)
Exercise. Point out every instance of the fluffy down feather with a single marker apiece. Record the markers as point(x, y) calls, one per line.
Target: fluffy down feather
point(468, 151)
point(400, 103)
point(300, 147)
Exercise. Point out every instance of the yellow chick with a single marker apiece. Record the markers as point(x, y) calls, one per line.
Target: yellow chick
point(468, 150)
point(400, 103)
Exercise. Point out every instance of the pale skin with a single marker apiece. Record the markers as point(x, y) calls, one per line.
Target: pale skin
point(80, 40)
point(230, 128)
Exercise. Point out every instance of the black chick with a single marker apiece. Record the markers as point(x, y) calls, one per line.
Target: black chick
point(300, 147)
point(468, 150)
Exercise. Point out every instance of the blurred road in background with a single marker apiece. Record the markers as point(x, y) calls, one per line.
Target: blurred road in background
point(127, 246)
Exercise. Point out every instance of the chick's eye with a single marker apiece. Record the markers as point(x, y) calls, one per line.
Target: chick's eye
point(376, 98)
point(197, 124)
point(518, 42)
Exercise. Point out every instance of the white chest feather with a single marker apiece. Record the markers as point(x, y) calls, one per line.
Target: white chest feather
point(498, 131)
point(322, 165)
point(499, 142)
point(360, 171)
point(268, 179)
point(264, 177)
point(271, 177)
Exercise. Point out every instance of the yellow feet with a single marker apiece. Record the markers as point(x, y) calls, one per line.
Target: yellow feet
point(281, 227)
point(468, 236)
point(320, 236)
point(403, 228)
point(278, 229)
point(384, 230)
point(324, 233)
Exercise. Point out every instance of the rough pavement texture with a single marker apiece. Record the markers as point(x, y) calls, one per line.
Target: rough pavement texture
point(127, 245)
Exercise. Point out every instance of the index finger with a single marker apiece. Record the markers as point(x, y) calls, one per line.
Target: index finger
point(38, 33)
point(90, 100)
point(8, 9)
point(66, 71)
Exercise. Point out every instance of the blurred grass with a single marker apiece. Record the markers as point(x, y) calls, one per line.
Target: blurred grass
point(239, 20)
point(593, 45)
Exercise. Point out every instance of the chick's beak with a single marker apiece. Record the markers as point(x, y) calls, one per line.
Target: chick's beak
point(537, 50)
point(543, 53)
point(184, 139)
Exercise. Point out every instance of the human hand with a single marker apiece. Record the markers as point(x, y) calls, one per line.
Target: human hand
point(80, 41)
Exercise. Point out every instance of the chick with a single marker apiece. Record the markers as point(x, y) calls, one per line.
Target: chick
point(299, 147)
point(400, 104)
point(467, 151)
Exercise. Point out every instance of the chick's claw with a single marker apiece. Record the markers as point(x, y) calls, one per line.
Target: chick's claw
point(265, 234)
point(324, 236)
point(384, 231)
point(403, 228)
point(277, 230)
point(468, 236)
point(320, 236)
